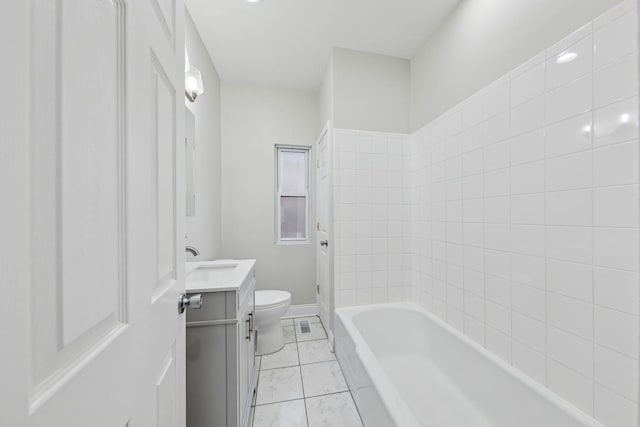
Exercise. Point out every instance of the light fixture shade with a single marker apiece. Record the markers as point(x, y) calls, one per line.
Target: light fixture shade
point(193, 84)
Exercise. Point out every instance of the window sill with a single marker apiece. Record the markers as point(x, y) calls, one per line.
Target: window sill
point(293, 242)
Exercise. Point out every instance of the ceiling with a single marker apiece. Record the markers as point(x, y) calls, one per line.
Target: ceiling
point(287, 43)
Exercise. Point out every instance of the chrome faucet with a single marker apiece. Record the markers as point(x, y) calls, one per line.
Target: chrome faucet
point(192, 250)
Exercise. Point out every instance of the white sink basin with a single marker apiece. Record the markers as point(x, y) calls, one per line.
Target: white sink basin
point(212, 273)
point(219, 275)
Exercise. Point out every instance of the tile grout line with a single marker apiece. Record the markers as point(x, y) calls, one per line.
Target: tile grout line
point(510, 199)
point(544, 221)
point(593, 232)
point(304, 399)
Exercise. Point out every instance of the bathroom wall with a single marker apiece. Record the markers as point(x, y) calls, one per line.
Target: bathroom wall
point(203, 230)
point(255, 119)
point(371, 217)
point(483, 39)
point(325, 97)
point(370, 92)
point(369, 101)
point(525, 217)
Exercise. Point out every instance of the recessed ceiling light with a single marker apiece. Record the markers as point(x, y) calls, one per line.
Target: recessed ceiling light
point(565, 57)
point(254, 2)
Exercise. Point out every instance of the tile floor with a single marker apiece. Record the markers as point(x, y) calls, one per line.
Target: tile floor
point(302, 385)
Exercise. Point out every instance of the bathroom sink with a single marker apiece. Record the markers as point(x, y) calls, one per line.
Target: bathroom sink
point(217, 275)
point(212, 273)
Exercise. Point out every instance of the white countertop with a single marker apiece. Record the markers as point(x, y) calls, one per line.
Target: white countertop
point(218, 275)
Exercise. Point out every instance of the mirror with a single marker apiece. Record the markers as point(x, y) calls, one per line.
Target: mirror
point(190, 149)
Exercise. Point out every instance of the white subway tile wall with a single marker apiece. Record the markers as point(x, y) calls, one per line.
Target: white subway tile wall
point(514, 217)
point(524, 226)
point(372, 218)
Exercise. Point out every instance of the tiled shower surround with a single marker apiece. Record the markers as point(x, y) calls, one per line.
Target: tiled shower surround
point(372, 218)
point(514, 217)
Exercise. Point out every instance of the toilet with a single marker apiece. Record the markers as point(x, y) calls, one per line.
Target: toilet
point(270, 306)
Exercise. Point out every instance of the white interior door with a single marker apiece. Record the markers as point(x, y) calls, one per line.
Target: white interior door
point(91, 177)
point(324, 229)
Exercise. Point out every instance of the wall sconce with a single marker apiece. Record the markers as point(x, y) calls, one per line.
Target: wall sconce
point(193, 85)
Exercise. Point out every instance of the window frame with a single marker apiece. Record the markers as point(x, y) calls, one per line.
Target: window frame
point(306, 150)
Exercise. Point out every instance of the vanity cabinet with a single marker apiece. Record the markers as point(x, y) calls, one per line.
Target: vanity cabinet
point(221, 363)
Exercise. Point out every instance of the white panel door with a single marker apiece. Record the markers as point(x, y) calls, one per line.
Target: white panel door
point(91, 176)
point(324, 217)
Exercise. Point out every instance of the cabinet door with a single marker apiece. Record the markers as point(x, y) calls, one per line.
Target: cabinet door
point(243, 339)
point(251, 346)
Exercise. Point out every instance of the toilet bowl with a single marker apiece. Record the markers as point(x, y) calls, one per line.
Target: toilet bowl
point(270, 306)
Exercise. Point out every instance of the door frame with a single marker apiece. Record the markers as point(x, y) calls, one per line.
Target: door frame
point(327, 131)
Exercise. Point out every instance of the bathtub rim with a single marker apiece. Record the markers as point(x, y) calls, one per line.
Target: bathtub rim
point(395, 404)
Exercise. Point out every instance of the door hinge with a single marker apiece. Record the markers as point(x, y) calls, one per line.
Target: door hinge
point(317, 164)
point(318, 288)
point(317, 226)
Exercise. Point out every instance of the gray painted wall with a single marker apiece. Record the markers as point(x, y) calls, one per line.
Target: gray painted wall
point(203, 229)
point(255, 119)
point(483, 39)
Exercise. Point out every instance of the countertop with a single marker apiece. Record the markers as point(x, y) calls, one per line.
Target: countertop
point(231, 282)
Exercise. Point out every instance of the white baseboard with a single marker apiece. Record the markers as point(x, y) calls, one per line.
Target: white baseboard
point(301, 310)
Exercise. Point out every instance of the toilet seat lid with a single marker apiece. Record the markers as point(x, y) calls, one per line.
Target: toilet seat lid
point(266, 299)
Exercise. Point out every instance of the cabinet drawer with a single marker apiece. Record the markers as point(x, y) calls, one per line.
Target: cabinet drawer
point(215, 306)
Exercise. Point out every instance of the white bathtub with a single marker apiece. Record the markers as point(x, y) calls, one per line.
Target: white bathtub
point(406, 368)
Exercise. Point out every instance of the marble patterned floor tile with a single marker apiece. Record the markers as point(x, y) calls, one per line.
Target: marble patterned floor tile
point(287, 356)
point(317, 333)
point(335, 410)
point(315, 351)
point(286, 322)
point(289, 333)
point(322, 378)
point(277, 385)
point(283, 414)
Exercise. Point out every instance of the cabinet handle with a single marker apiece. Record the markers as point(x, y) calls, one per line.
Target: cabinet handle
point(250, 326)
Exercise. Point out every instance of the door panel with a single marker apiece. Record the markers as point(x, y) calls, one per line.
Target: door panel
point(165, 390)
point(92, 183)
point(166, 17)
point(167, 327)
point(164, 119)
point(14, 213)
point(77, 191)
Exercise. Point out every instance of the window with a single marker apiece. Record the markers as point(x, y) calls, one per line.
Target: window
point(292, 194)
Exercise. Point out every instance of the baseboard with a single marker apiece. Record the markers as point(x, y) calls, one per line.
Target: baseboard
point(331, 340)
point(302, 310)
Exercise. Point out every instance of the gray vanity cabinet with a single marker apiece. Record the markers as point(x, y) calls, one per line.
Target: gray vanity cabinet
point(221, 362)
